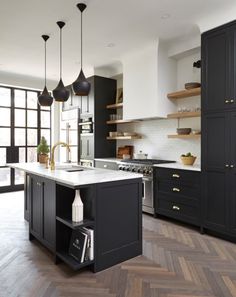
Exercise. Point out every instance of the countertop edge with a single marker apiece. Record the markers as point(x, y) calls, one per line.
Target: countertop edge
point(179, 166)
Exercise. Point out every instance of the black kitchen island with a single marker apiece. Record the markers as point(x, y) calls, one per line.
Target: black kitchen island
point(112, 208)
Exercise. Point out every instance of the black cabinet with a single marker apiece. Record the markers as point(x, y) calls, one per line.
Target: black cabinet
point(219, 129)
point(43, 208)
point(102, 93)
point(218, 68)
point(177, 194)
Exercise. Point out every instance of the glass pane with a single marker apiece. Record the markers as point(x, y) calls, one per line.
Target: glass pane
point(45, 108)
point(5, 97)
point(19, 118)
point(46, 134)
point(19, 98)
point(45, 119)
point(19, 177)
point(5, 177)
point(19, 137)
point(5, 119)
point(74, 154)
point(73, 137)
point(5, 136)
point(3, 156)
point(32, 137)
point(32, 100)
point(32, 118)
point(21, 154)
point(31, 154)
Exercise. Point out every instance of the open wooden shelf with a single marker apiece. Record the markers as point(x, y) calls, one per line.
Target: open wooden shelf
point(115, 106)
point(124, 137)
point(188, 136)
point(69, 260)
point(179, 115)
point(73, 225)
point(121, 122)
point(184, 93)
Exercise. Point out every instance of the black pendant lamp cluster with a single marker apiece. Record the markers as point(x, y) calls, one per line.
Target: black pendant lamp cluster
point(81, 86)
point(45, 98)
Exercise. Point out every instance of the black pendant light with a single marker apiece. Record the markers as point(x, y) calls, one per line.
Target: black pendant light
point(45, 98)
point(81, 86)
point(61, 93)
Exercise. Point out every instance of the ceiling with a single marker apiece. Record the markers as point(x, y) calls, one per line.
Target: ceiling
point(126, 24)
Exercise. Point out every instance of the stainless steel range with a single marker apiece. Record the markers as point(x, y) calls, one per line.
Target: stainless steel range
point(145, 167)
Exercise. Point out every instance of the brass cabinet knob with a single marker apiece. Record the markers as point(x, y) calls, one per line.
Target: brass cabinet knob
point(105, 166)
point(226, 165)
point(176, 190)
point(232, 101)
point(175, 207)
point(231, 166)
point(227, 101)
point(176, 175)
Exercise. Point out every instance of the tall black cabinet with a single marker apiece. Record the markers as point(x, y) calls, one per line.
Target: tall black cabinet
point(219, 129)
point(93, 108)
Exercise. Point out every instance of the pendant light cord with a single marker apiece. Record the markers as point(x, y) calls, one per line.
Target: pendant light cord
point(60, 53)
point(81, 41)
point(45, 62)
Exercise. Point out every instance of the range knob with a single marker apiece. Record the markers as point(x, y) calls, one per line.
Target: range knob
point(133, 169)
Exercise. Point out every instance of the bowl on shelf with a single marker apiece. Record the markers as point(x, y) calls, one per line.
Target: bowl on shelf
point(188, 160)
point(183, 131)
point(192, 85)
point(196, 132)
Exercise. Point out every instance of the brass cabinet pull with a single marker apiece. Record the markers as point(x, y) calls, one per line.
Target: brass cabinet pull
point(105, 165)
point(231, 166)
point(226, 165)
point(176, 190)
point(38, 184)
point(176, 175)
point(175, 207)
point(227, 101)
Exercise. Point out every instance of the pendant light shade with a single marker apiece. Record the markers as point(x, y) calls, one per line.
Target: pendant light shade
point(61, 93)
point(81, 86)
point(45, 98)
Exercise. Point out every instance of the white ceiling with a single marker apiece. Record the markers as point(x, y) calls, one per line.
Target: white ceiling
point(129, 24)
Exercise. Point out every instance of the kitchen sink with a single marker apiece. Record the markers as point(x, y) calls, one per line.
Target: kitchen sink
point(71, 168)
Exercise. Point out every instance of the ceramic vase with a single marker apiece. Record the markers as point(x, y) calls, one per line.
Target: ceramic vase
point(77, 208)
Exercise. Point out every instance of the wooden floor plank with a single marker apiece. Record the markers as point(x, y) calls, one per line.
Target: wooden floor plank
point(177, 261)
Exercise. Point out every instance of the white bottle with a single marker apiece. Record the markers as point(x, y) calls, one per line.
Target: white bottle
point(77, 208)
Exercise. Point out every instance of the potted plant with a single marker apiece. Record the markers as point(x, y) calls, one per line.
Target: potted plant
point(43, 150)
point(188, 159)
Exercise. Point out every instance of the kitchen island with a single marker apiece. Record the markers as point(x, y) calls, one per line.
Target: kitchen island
point(112, 208)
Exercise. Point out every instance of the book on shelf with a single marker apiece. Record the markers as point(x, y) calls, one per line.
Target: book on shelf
point(82, 244)
point(78, 244)
point(89, 254)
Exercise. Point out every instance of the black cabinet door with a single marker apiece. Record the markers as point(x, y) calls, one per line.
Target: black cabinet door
point(215, 70)
point(215, 167)
point(232, 66)
point(36, 185)
point(49, 213)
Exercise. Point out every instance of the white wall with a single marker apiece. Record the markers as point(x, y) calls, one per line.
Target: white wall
point(155, 141)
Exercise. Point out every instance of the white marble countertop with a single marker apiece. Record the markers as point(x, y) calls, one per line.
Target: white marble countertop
point(113, 160)
point(177, 165)
point(90, 175)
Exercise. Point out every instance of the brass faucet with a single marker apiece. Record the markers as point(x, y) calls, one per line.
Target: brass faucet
point(52, 163)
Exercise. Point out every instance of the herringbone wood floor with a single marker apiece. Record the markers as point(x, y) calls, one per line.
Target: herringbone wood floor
point(177, 262)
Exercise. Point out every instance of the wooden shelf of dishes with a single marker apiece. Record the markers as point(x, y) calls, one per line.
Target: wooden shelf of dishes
point(124, 137)
point(187, 114)
point(115, 106)
point(185, 136)
point(114, 122)
point(185, 93)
